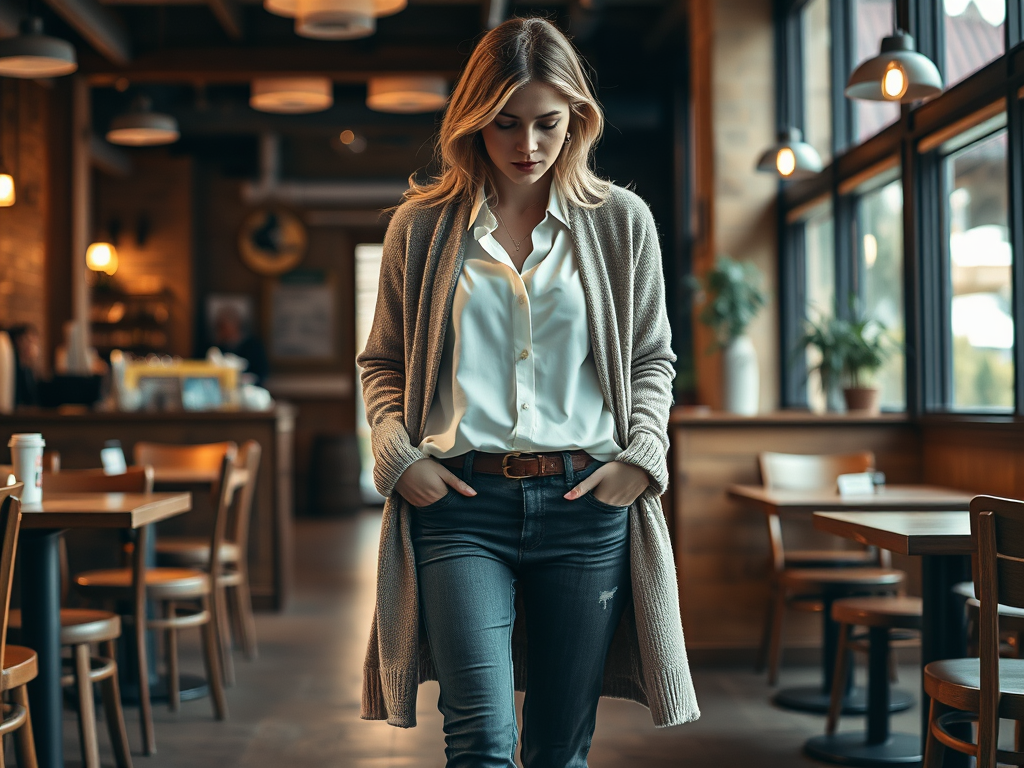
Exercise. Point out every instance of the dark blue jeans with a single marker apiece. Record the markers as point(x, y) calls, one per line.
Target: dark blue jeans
point(569, 560)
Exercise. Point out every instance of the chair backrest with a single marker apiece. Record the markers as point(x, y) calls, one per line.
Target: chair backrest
point(232, 479)
point(166, 456)
point(997, 532)
point(798, 472)
point(135, 480)
point(249, 460)
point(10, 524)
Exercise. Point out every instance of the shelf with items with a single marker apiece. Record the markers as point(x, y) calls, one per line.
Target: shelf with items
point(137, 323)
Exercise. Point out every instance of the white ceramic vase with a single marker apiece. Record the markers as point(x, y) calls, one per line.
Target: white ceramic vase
point(741, 378)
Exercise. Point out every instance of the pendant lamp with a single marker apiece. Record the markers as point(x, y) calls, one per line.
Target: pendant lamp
point(406, 94)
point(898, 73)
point(140, 126)
point(289, 8)
point(31, 54)
point(7, 196)
point(335, 19)
point(790, 157)
point(101, 257)
point(291, 95)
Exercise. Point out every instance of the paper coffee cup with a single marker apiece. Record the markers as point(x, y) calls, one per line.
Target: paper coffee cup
point(27, 458)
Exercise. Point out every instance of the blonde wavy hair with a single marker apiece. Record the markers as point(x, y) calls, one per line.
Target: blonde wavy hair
point(513, 54)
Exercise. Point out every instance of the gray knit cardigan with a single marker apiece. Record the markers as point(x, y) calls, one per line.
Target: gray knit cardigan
point(616, 246)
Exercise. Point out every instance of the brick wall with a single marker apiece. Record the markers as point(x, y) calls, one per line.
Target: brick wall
point(24, 108)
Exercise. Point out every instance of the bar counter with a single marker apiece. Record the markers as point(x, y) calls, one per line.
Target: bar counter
point(79, 436)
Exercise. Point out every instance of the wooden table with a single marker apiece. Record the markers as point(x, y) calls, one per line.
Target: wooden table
point(941, 540)
point(807, 502)
point(39, 555)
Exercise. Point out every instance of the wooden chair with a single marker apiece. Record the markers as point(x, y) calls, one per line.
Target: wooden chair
point(20, 664)
point(983, 690)
point(194, 552)
point(81, 628)
point(172, 586)
point(205, 458)
point(788, 586)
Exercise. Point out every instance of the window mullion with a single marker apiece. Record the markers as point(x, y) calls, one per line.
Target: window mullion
point(1015, 177)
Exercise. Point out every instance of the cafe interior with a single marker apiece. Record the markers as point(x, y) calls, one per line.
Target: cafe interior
point(193, 200)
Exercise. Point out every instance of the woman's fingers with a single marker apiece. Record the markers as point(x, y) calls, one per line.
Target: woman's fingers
point(455, 482)
point(587, 484)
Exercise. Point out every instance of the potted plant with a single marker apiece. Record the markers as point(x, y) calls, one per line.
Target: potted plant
point(732, 296)
point(851, 352)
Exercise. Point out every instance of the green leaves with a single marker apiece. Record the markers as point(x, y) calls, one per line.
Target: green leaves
point(732, 297)
point(850, 350)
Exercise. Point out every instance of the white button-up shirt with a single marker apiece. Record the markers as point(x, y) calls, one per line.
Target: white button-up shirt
point(517, 371)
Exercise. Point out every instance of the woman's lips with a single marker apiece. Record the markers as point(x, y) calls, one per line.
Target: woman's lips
point(526, 167)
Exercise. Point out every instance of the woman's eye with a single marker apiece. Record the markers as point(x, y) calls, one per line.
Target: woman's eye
point(505, 126)
point(550, 127)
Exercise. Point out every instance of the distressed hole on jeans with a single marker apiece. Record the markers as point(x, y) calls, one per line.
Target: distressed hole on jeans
point(605, 596)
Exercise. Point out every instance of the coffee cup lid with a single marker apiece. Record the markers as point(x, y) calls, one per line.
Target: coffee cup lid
point(27, 439)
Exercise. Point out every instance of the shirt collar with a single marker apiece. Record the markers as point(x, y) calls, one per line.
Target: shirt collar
point(487, 221)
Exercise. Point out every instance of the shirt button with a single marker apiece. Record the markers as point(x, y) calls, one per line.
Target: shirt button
point(526, 406)
point(524, 354)
point(522, 299)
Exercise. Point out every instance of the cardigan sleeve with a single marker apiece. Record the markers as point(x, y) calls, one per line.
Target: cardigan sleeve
point(383, 366)
point(652, 358)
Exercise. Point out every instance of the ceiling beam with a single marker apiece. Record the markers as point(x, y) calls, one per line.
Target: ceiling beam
point(9, 18)
point(241, 65)
point(495, 12)
point(230, 17)
point(100, 27)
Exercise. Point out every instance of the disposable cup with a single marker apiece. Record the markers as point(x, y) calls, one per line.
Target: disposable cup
point(27, 458)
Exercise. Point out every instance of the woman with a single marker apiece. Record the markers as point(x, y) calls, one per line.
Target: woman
point(517, 381)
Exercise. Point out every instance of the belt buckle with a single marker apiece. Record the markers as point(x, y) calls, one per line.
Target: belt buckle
point(514, 454)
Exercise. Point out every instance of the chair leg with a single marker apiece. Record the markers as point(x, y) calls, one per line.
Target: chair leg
point(835, 704)
point(24, 741)
point(933, 748)
point(224, 633)
point(211, 655)
point(86, 708)
point(171, 650)
point(246, 621)
point(766, 635)
point(111, 691)
point(775, 647)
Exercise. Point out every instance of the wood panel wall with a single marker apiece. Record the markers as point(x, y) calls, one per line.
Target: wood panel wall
point(721, 548)
point(978, 457)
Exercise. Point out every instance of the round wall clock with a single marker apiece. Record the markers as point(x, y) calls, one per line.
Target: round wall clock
point(272, 241)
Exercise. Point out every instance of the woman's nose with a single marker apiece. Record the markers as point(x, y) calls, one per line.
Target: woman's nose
point(527, 143)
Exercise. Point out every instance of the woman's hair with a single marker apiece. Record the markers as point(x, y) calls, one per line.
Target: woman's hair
point(513, 54)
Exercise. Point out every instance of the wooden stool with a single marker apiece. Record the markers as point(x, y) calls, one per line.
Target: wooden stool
point(1011, 623)
point(799, 472)
point(885, 617)
point(20, 664)
point(194, 552)
point(81, 628)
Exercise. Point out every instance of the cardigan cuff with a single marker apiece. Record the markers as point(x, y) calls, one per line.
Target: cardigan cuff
point(393, 452)
point(647, 452)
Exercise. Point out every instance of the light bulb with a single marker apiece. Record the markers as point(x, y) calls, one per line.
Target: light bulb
point(894, 81)
point(785, 162)
point(101, 257)
point(6, 190)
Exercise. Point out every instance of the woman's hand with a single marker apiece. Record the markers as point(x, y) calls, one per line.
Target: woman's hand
point(620, 484)
point(425, 481)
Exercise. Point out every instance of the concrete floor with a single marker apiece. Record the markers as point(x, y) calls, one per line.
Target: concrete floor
point(298, 704)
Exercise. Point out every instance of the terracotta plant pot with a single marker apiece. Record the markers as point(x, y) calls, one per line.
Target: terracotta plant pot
point(865, 401)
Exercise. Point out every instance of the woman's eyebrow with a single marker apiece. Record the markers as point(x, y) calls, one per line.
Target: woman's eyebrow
point(552, 113)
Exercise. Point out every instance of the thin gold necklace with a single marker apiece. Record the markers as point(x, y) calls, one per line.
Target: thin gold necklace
point(502, 221)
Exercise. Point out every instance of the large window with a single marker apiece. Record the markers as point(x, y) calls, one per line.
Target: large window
point(974, 35)
point(980, 259)
point(880, 280)
point(820, 283)
point(874, 21)
point(817, 77)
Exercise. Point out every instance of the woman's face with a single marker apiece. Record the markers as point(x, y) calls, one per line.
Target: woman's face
point(525, 137)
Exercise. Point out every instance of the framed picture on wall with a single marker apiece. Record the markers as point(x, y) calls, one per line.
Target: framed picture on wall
point(303, 317)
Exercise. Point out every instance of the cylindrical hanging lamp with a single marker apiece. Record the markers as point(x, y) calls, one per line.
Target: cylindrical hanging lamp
point(101, 257)
point(335, 19)
point(31, 54)
point(142, 127)
point(898, 73)
point(406, 94)
point(7, 196)
point(289, 8)
point(291, 95)
point(790, 157)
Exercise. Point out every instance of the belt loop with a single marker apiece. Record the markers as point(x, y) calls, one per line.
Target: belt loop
point(467, 467)
point(570, 471)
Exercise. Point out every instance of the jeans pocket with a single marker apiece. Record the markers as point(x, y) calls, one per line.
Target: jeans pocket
point(596, 502)
point(444, 501)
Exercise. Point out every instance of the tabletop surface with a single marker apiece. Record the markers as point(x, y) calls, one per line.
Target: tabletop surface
point(909, 533)
point(104, 510)
point(888, 497)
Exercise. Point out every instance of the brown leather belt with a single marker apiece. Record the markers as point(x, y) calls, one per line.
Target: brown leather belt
point(519, 464)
